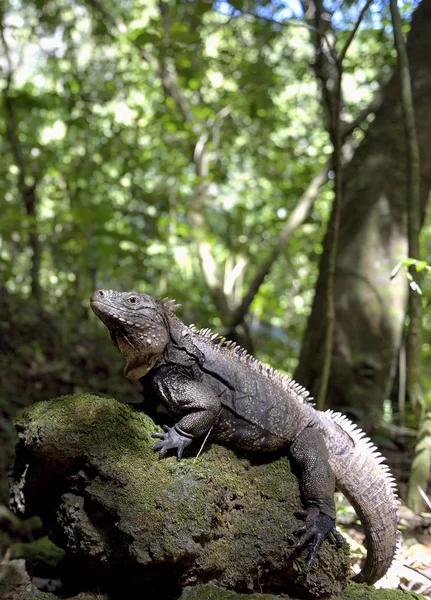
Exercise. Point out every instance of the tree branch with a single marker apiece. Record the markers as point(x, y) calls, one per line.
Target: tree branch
point(296, 218)
point(287, 23)
point(414, 334)
point(420, 469)
point(352, 34)
point(332, 93)
point(299, 214)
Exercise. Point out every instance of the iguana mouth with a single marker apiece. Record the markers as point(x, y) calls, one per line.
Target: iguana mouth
point(108, 313)
point(103, 310)
point(95, 303)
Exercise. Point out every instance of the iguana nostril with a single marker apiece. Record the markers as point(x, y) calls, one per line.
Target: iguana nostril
point(98, 295)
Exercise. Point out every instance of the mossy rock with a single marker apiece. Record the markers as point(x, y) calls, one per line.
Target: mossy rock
point(212, 592)
point(354, 591)
point(15, 583)
point(114, 506)
point(32, 593)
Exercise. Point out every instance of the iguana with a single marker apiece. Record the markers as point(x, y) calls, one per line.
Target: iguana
point(211, 385)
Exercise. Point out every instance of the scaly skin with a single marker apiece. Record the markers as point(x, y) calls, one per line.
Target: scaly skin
point(213, 386)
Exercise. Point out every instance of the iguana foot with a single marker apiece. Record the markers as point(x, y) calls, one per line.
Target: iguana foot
point(316, 528)
point(171, 439)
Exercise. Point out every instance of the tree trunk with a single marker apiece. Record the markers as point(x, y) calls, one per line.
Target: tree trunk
point(370, 308)
point(30, 202)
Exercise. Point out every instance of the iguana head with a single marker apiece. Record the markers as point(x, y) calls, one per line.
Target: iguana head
point(138, 326)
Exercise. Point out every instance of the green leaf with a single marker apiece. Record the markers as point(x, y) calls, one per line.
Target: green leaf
point(202, 7)
point(415, 287)
point(146, 37)
point(179, 32)
point(396, 270)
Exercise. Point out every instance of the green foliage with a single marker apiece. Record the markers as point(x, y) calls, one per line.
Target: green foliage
point(419, 265)
point(113, 154)
point(40, 551)
point(425, 290)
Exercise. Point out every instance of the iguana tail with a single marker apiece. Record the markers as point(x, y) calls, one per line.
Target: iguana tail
point(370, 488)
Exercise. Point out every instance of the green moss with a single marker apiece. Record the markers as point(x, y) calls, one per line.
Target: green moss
point(353, 591)
point(39, 551)
point(32, 593)
point(356, 591)
point(100, 422)
point(211, 592)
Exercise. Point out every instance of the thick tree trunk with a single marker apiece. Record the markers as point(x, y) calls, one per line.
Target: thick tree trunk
point(370, 308)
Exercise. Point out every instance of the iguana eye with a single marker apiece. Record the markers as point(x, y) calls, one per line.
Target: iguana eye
point(133, 299)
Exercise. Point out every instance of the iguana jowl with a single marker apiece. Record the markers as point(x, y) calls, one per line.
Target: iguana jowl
point(210, 384)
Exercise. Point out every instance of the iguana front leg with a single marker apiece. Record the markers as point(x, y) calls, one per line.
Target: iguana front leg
point(317, 484)
point(200, 405)
point(171, 439)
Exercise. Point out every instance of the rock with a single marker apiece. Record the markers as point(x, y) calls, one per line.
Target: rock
point(32, 593)
point(13, 578)
point(89, 596)
point(15, 583)
point(84, 464)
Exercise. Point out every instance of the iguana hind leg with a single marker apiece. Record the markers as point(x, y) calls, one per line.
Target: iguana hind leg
point(316, 528)
point(317, 484)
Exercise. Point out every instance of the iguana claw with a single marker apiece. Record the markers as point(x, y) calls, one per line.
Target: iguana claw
point(316, 528)
point(171, 439)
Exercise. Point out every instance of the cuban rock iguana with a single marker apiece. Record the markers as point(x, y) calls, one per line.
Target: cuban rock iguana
point(211, 385)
